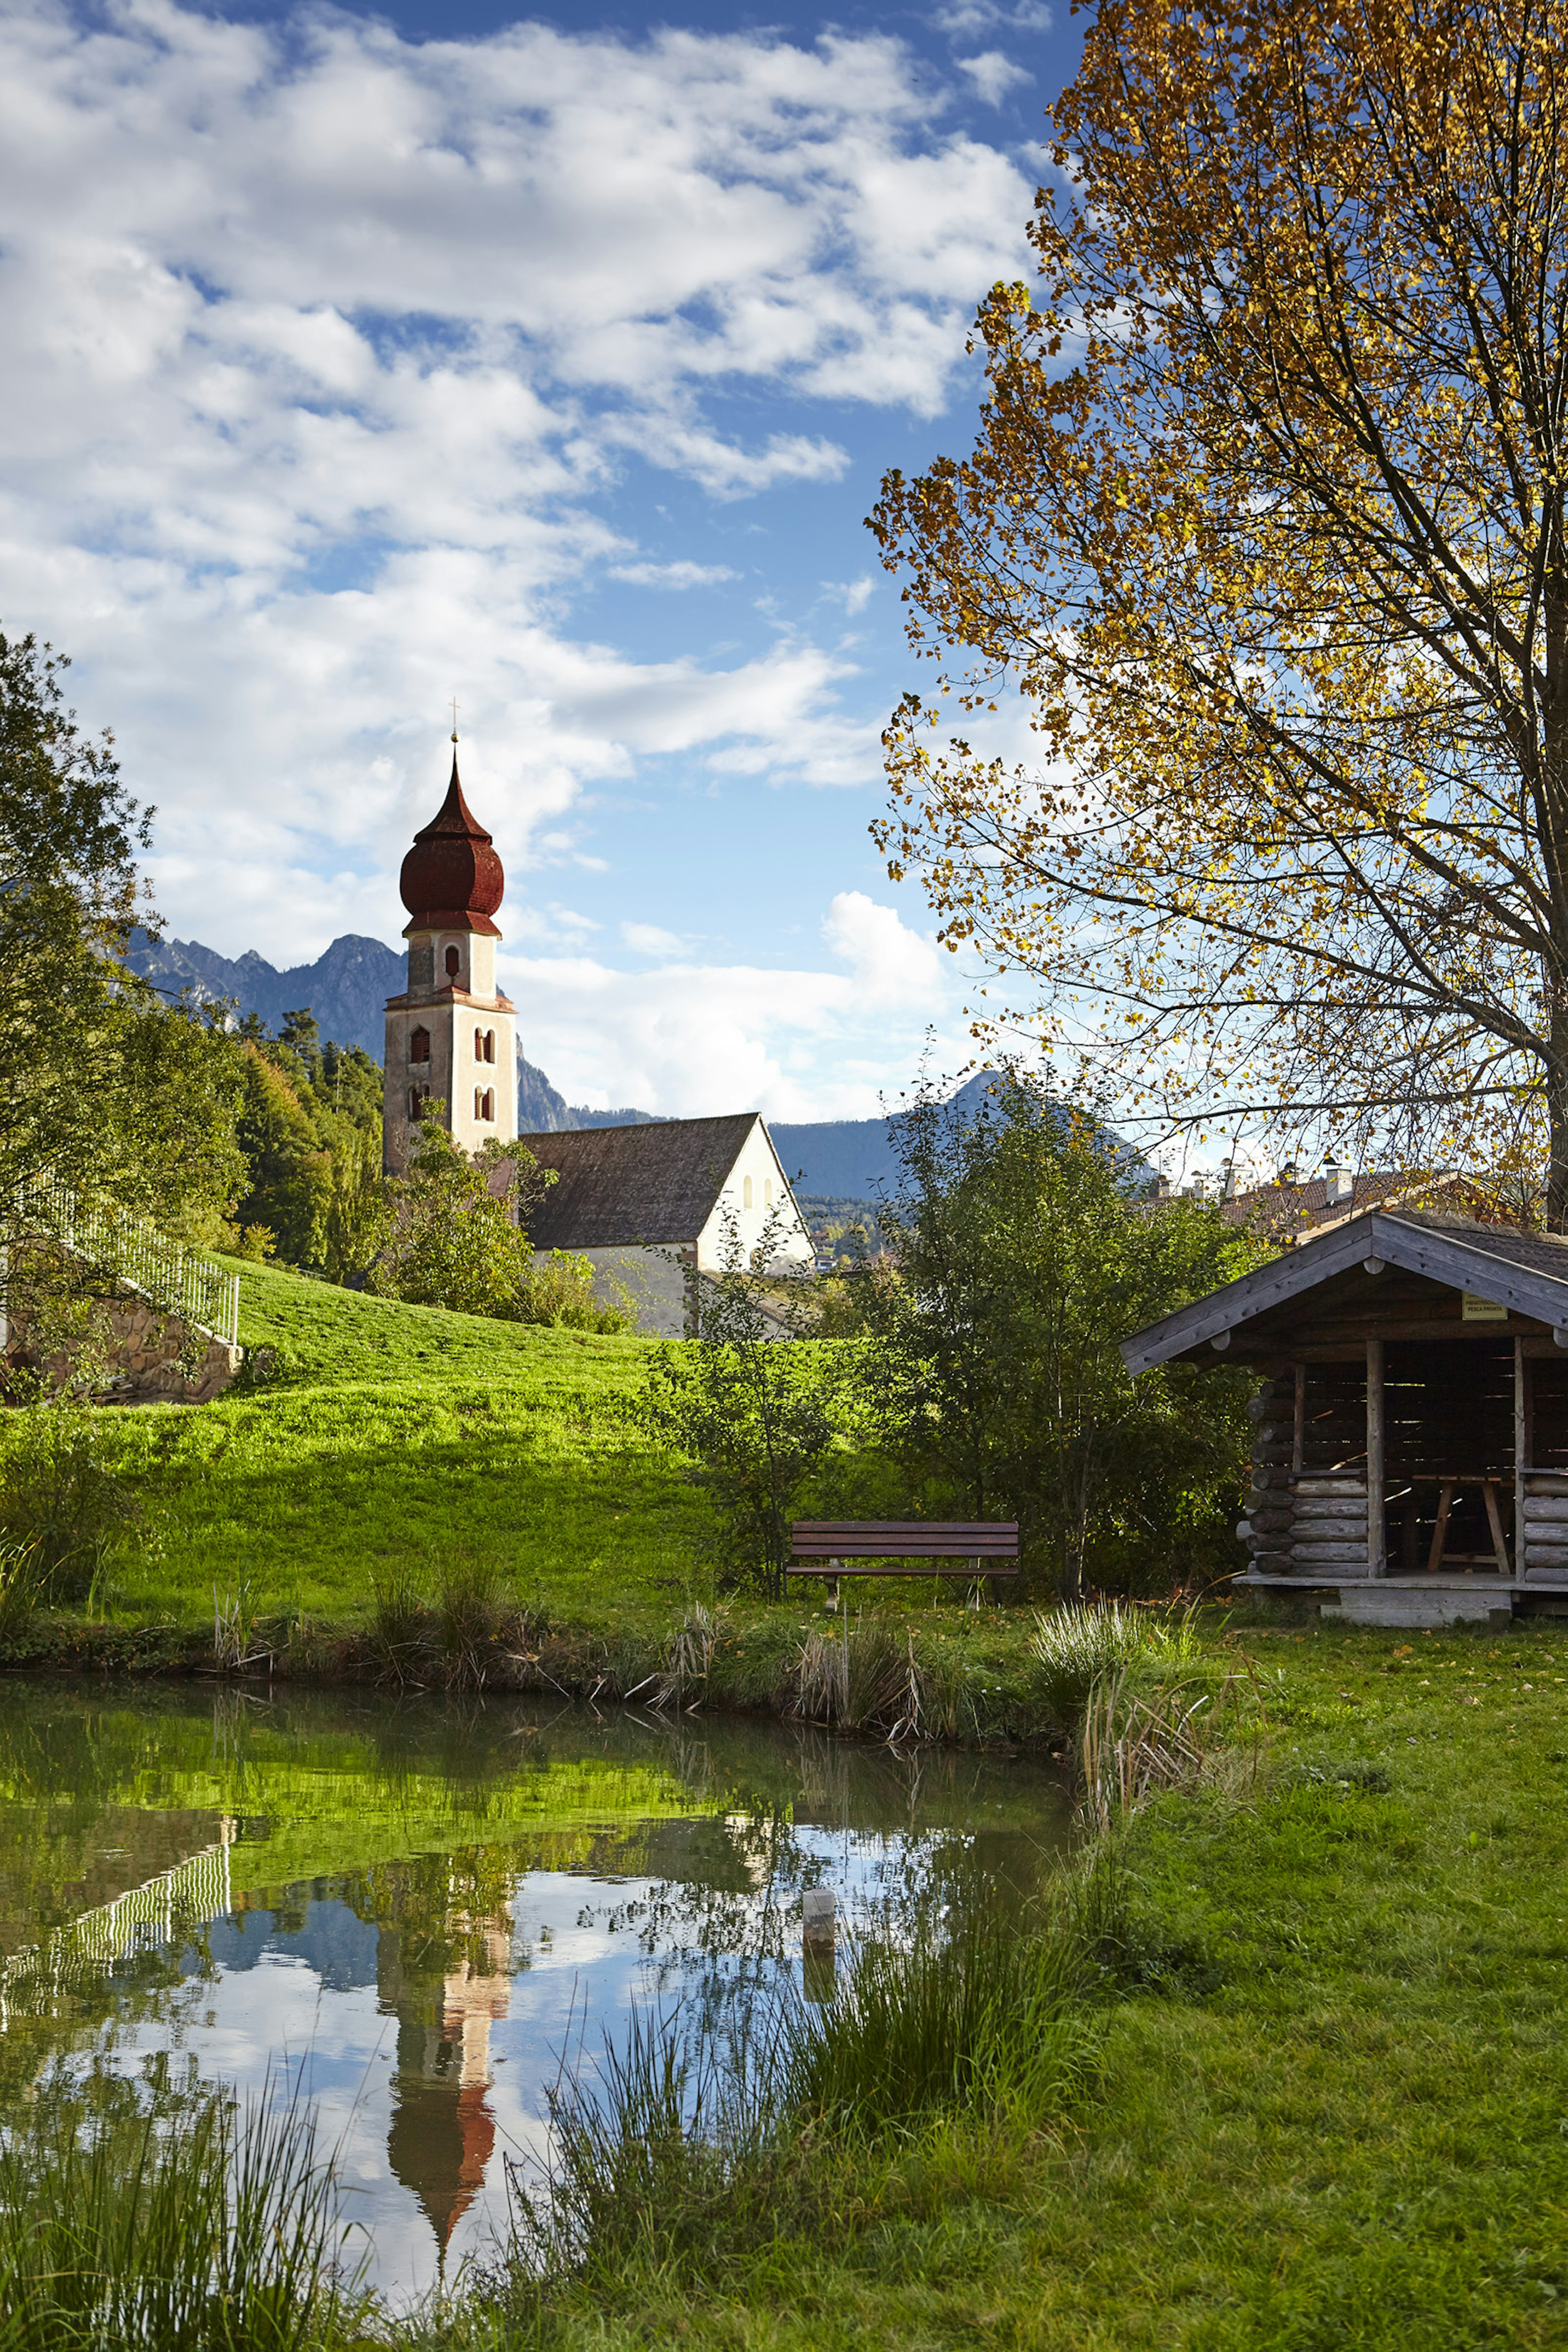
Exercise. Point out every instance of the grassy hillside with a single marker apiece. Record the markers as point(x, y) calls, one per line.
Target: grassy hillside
point(374, 1437)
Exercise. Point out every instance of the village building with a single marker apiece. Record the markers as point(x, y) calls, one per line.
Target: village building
point(1410, 1463)
point(652, 1206)
point(1292, 1205)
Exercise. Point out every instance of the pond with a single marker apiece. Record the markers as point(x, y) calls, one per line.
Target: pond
point(414, 1908)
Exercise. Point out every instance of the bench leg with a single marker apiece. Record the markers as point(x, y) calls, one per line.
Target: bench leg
point(831, 1603)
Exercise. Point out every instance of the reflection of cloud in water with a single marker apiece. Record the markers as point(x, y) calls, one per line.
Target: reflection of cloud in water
point(426, 1994)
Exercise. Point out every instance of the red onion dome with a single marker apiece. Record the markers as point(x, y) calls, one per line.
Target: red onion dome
point(452, 879)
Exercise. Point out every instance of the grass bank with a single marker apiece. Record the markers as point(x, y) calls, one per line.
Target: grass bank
point(401, 1493)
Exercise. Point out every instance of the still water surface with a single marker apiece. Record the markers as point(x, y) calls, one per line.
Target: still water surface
point(421, 1904)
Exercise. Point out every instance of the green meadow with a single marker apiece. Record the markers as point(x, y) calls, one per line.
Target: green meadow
point(367, 1436)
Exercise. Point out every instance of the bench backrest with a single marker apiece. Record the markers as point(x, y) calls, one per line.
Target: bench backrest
point(904, 1538)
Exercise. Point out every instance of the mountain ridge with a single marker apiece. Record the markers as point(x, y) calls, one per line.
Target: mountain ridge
point(347, 987)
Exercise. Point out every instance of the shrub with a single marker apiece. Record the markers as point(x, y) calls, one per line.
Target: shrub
point(57, 1498)
point(561, 1292)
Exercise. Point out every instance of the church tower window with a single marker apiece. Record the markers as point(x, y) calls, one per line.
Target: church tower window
point(419, 1046)
point(454, 962)
point(484, 1103)
point(745, 1191)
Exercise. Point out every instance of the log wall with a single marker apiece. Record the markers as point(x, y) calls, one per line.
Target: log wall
point(1309, 1522)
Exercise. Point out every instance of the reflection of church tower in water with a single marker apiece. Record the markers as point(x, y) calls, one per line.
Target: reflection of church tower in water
point(442, 2131)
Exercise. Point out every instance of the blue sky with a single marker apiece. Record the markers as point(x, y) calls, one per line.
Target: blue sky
point(357, 360)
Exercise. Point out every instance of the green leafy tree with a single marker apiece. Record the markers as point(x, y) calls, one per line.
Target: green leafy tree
point(750, 1401)
point(1025, 1258)
point(109, 1101)
point(457, 1236)
point(359, 1212)
point(103, 1089)
point(291, 1173)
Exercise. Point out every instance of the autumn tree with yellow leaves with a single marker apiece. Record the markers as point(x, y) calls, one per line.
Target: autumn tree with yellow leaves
point(1266, 523)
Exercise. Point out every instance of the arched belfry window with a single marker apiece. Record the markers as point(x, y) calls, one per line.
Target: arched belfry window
point(490, 1044)
point(745, 1191)
point(417, 1098)
point(478, 1044)
point(454, 962)
point(419, 1046)
point(484, 1103)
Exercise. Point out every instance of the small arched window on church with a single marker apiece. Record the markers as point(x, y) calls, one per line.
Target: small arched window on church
point(745, 1191)
point(419, 1046)
point(416, 1102)
point(454, 963)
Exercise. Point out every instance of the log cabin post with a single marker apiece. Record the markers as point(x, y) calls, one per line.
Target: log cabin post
point(1298, 1435)
point(1377, 1563)
point(1521, 1453)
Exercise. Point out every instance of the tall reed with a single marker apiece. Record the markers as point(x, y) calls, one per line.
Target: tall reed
point(682, 2150)
point(972, 2016)
point(1078, 1644)
point(202, 2233)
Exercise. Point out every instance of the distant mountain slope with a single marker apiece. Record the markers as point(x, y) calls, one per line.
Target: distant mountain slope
point(849, 1157)
point(346, 988)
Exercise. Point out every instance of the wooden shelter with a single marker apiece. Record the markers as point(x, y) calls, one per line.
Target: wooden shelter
point(1411, 1455)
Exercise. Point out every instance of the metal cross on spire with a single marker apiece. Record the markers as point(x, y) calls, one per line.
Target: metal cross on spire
point(454, 718)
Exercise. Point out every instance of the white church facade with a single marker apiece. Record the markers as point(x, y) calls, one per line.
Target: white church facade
point(653, 1206)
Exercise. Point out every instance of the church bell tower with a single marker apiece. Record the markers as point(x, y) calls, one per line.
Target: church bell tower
point(450, 1036)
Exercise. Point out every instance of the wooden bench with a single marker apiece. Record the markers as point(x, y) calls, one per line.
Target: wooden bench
point(968, 1547)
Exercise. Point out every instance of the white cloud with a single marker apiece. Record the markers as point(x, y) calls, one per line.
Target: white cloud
point(673, 576)
point(994, 75)
point(324, 350)
point(967, 18)
point(691, 1037)
point(892, 966)
point(646, 939)
point(852, 594)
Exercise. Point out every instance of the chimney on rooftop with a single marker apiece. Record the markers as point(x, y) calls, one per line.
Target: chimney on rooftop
point(1338, 1182)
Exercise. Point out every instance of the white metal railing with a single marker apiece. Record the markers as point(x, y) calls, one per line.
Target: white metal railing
point(138, 1253)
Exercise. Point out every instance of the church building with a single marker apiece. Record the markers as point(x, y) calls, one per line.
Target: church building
point(450, 1036)
point(653, 1206)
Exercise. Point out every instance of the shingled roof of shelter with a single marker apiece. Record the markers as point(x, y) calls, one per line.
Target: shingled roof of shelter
point(619, 1185)
point(1541, 1253)
point(1525, 1272)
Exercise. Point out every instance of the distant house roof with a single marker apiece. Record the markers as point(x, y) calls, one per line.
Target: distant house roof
point(1284, 1210)
point(1526, 1272)
point(620, 1185)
